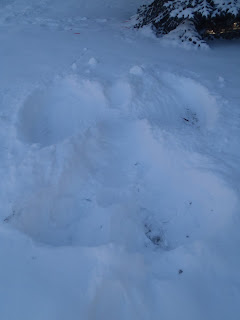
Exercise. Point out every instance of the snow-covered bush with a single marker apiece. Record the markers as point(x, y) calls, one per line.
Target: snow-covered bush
point(186, 35)
point(203, 18)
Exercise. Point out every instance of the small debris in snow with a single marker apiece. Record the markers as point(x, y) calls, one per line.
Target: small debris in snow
point(155, 236)
point(191, 117)
point(7, 219)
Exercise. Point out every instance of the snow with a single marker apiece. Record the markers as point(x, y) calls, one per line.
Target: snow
point(92, 61)
point(136, 70)
point(119, 168)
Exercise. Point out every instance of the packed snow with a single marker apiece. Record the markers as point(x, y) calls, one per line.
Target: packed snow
point(119, 168)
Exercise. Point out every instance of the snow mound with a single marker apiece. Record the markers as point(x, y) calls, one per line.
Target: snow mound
point(52, 114)
point(109, 167)
point(167, 100)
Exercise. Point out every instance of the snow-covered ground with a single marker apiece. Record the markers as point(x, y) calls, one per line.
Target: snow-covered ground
point(119, 165)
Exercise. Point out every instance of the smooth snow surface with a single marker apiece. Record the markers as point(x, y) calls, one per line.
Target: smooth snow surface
point(119, 168)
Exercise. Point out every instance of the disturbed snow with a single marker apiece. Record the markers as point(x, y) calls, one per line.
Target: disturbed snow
point(119, 168)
